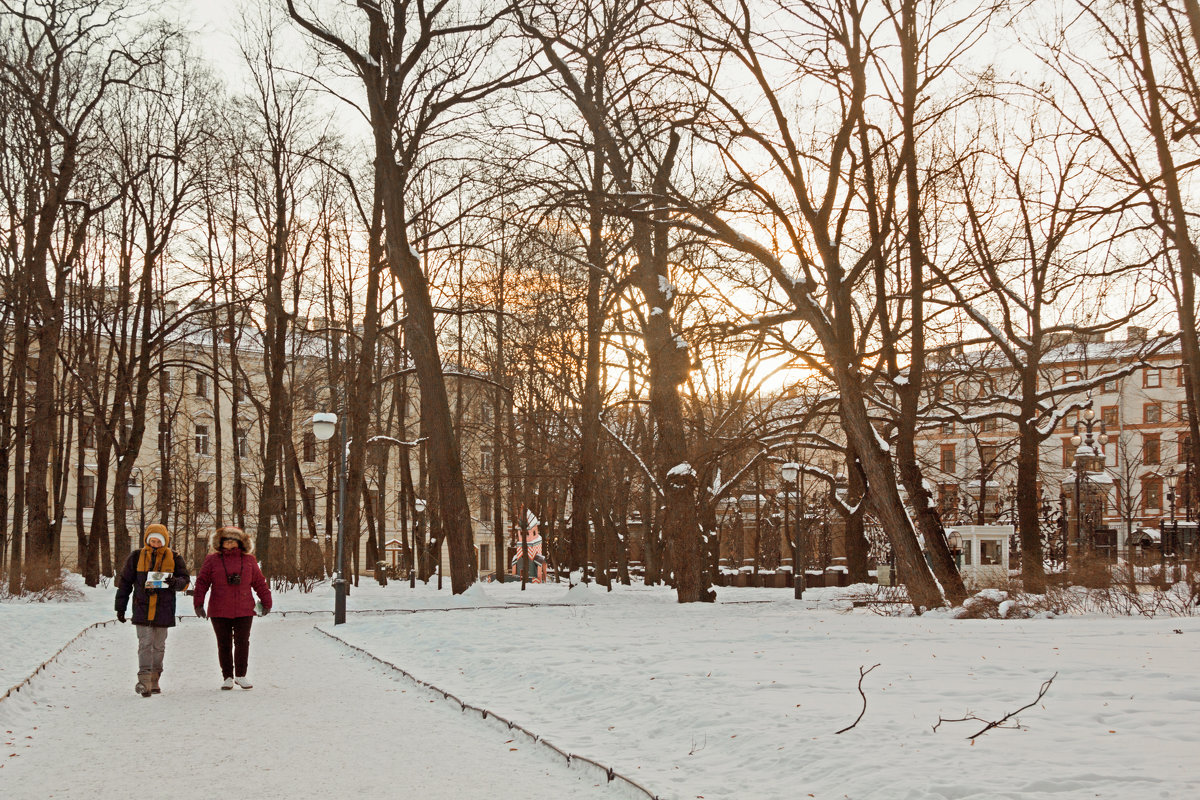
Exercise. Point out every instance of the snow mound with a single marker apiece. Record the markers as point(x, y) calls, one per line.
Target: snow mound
point(991, 604)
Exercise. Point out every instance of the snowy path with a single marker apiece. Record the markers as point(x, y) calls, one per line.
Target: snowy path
point(319, 722)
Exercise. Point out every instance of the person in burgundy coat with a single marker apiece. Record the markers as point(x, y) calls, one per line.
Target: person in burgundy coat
point(231, 572)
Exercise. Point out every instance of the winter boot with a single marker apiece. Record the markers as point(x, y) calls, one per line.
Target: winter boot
point(143, 685)
point(154, 683)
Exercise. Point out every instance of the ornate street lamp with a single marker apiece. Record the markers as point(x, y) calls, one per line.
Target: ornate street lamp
point(323, 426)
point(1171, 477)
point(137, 492)
point(954, 542)
point(788, 472)
point(1087, 459)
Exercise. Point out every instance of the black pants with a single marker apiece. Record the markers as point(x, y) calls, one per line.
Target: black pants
point(233, 644)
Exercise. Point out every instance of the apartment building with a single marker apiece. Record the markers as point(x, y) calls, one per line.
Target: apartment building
point(1142, 410)
point(200, 463)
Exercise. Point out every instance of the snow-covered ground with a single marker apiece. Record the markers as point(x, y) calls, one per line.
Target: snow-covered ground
point(741, 699)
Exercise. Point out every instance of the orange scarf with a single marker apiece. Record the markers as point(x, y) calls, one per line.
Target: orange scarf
point(146, 563)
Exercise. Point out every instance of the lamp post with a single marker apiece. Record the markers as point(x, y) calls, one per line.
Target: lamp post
point(788, 473)
point(1171, 477)
point(954, 543)
point(419, 507)
point(1062, 525)
point(1086, 460)
point(1187, 488)
point(139, 491)
point(323, 425)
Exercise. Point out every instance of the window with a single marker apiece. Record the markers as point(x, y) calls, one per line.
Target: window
point(201, 497)
point(948, 427)
point(164, 381)
point(201, 440)
point(1151, 449)
point(1068, 453)
point(485, 459)
point(164, 493)
point(989, 424)
point(1183, 413)
point(239, 499)
point(1109, 415)
point(1180, 377)
point(485, 557)
point(1152, 494)
point(1072, 376)
point(1152, 414)
point(485, 415)
point(948, 463)
point(87, 491)
point(310, 447)
point(310, 500)
point(1151, 378)
point(243, 446)
point(1185, 448)
point(485, 507)
point(164, 437)
point(87, 433)
point(1111, 386)
point(990, 551)
point(201, 385)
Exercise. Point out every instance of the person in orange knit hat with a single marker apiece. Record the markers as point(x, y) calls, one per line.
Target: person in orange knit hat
point(152, 575)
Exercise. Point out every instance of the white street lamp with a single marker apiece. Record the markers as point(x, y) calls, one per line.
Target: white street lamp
point(323, 426)
point(419, 506)
point(788, 471)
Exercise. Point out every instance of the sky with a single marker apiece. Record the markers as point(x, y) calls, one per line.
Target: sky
point(739, 699)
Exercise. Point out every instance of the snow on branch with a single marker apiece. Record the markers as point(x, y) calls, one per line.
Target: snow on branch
point(395, 441)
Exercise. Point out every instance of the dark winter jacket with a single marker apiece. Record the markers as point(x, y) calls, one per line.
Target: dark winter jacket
point(151, 606)
point(231, 600)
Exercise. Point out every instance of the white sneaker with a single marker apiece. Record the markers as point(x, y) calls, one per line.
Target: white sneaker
point(242, 682)
point(228, 684)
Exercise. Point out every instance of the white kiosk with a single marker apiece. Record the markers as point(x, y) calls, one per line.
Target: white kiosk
point(982, 551)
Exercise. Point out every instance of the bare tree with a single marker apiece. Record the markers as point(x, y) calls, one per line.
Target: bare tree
point(802, 188)
point(423, 69)
point(60, 61)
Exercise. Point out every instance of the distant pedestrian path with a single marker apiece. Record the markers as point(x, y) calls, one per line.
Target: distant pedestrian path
point(320, 721)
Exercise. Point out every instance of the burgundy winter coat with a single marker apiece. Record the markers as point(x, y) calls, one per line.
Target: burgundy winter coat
point(231, 599)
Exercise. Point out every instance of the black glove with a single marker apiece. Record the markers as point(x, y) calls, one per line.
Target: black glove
point(200, 613)
point(120, 616)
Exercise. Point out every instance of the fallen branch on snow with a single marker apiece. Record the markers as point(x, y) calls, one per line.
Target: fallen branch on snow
point(862, 673)
point(1000, 722)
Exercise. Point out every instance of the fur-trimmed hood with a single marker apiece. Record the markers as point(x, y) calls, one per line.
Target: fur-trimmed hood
point(228, 532)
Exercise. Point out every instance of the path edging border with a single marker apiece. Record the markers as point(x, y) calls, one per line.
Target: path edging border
point(610, 773)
